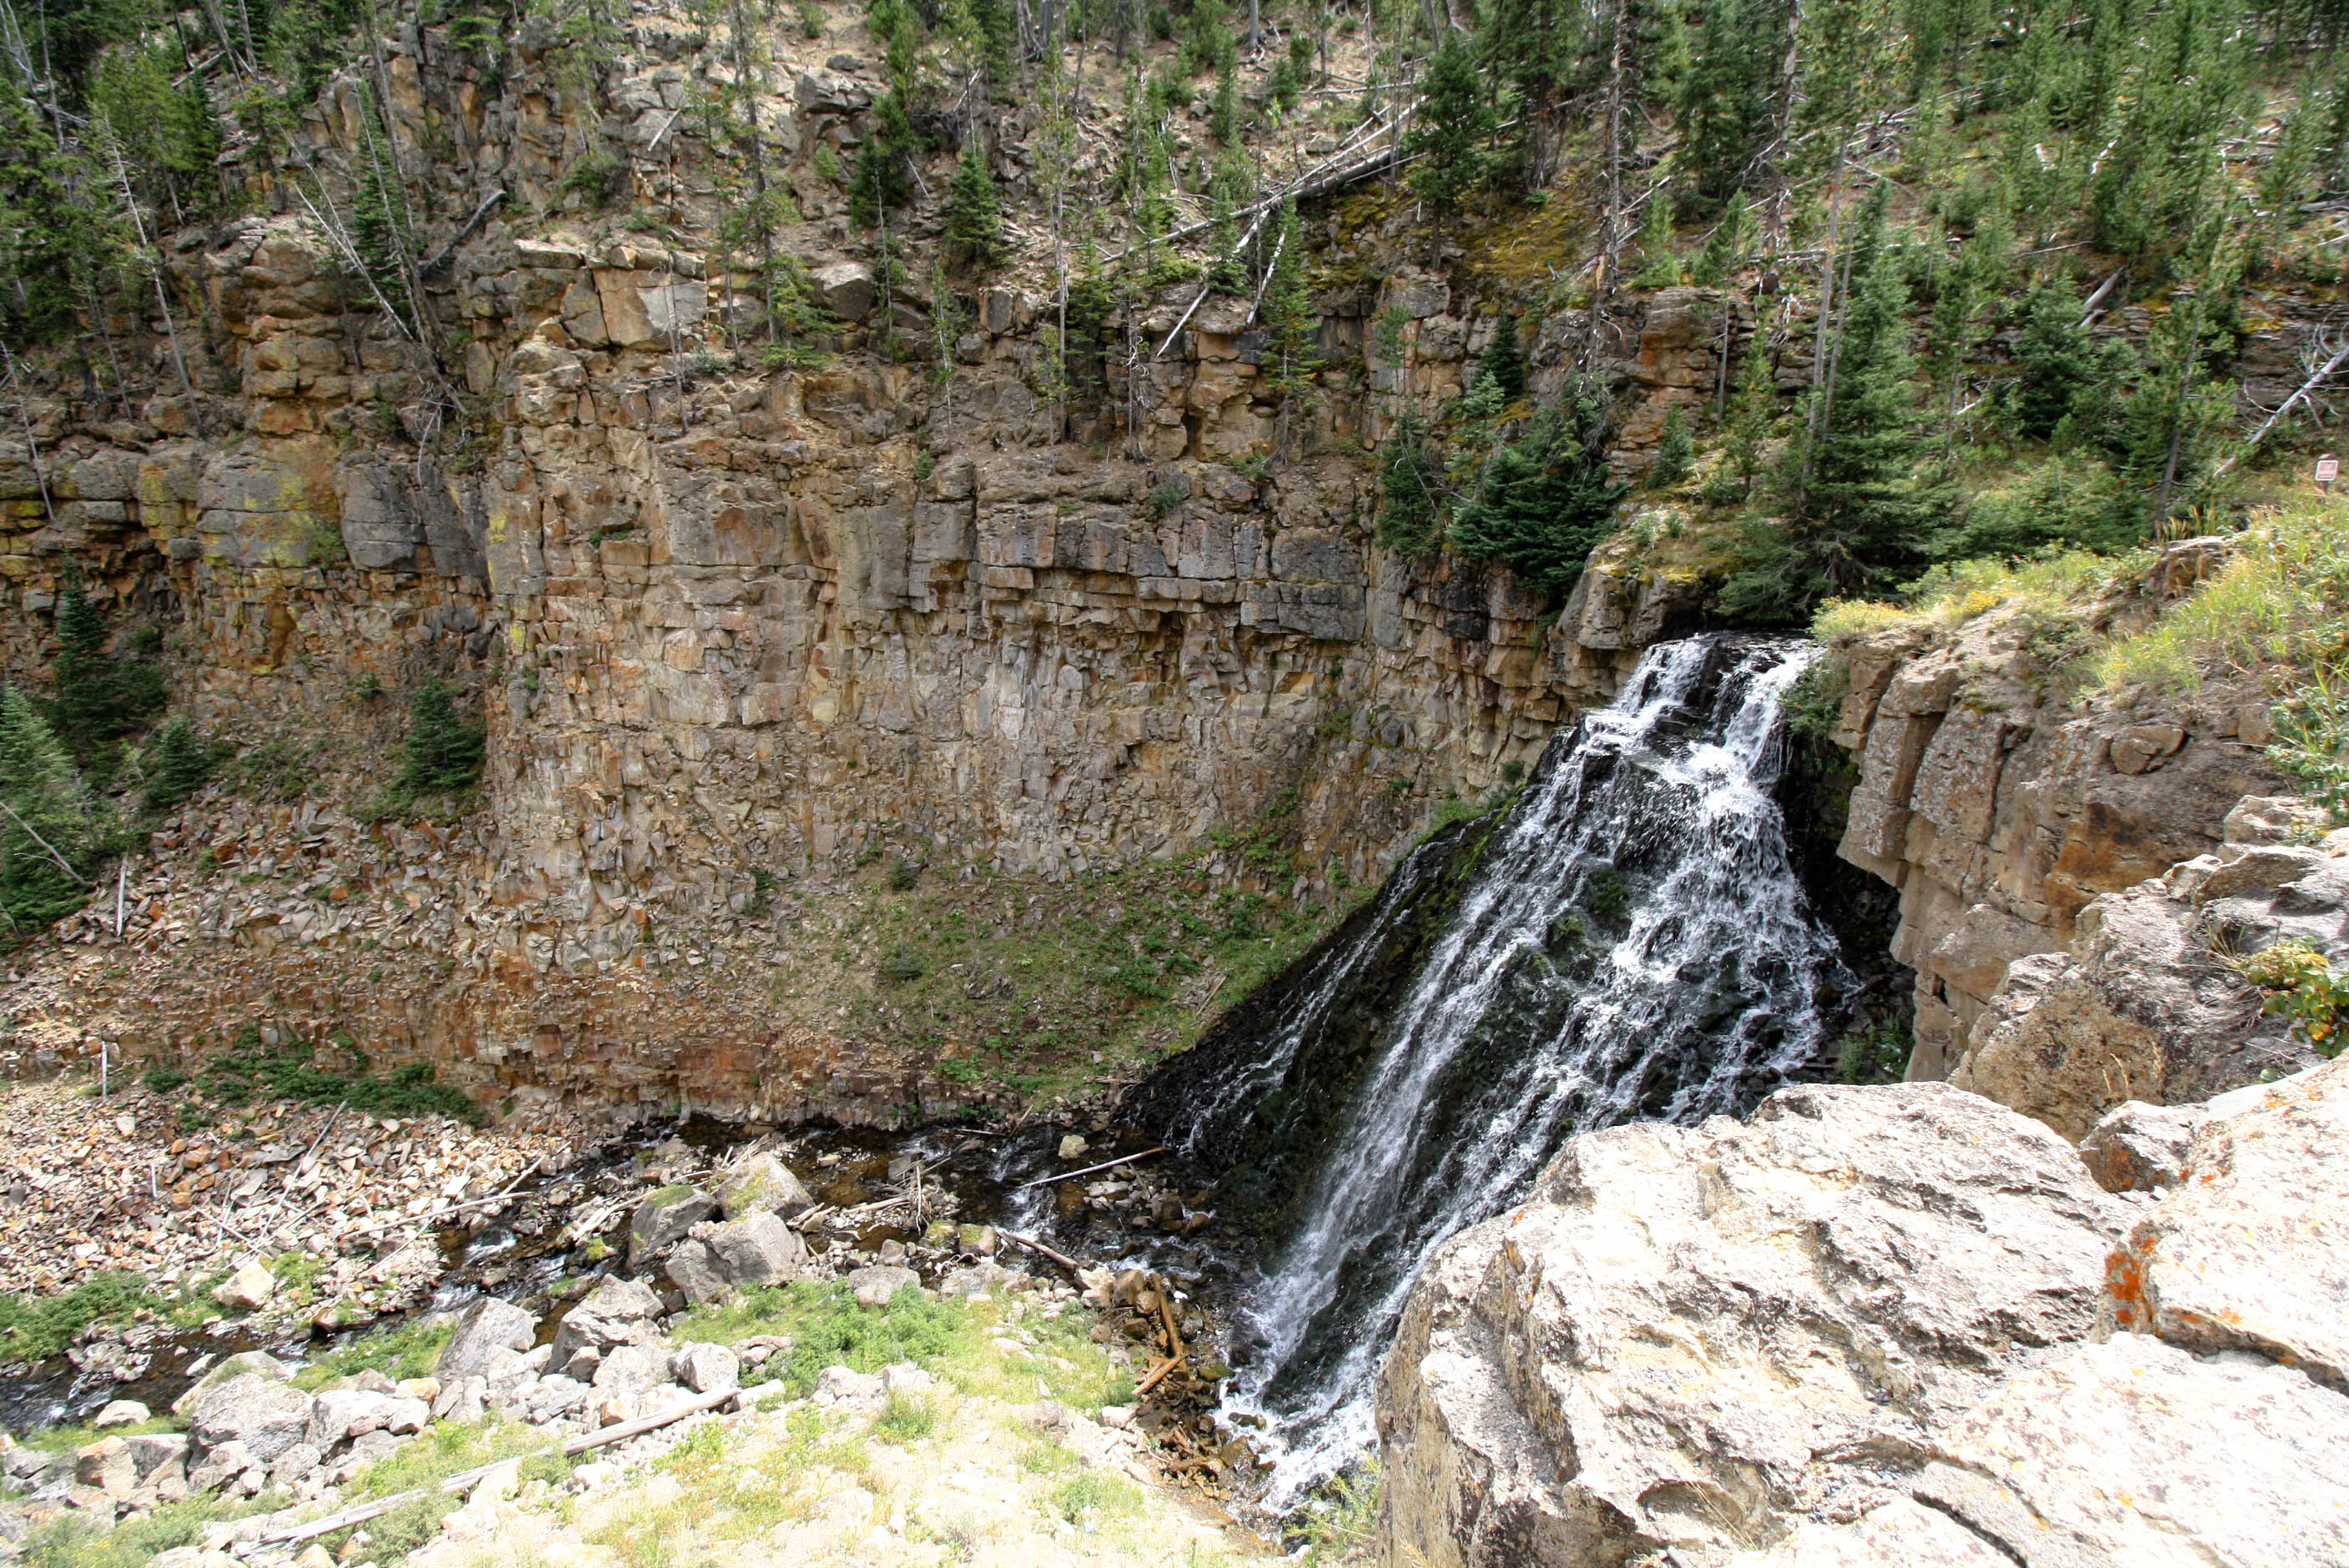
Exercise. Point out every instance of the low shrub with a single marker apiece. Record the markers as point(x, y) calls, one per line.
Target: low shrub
point(288, 1071)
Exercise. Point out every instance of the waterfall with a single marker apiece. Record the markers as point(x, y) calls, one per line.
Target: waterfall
point(1627, 940)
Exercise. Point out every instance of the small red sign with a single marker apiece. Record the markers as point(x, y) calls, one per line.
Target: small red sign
point(2328, 468)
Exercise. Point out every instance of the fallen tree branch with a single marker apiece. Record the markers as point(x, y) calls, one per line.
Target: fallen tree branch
point(619, 1432)
point(2323, 374)
point(1157, 1376)
point(502, 1194)
point(441, 259)
point(1062, 1259)
point(1104, 1165)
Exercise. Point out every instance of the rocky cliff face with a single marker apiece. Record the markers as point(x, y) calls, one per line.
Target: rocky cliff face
point(2003, 808)
point(1884, 1325)
point(731, 623)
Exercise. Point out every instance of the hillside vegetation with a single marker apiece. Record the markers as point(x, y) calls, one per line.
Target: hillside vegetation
point(1988, 280)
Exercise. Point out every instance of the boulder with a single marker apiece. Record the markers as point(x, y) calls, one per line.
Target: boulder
point(693, 1267)
point(716, 1259)
point(876, 1285)
point(295, 1463)
point(2134, 1450)
point(1689, 1338)
point(616, 1312)
point(631, 1369)
point(107, 1465)
point(254, 1362)
point(847, 288)
point(121, 1413)
point(249, 1289)
point(340, 1414)
point(266, 1414)
point(220, 1465)
point(487, 1324)
point(763, 1184)
point(706, 1368)
point(154, 1454)
point(2139, 1147)
point(663, 1219)
point(2251, 1249)
point(2143, 1007)
point(759, 1250)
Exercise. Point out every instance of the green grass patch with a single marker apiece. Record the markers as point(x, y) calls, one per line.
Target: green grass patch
point(828, 1328)
point(250, 1067)
point(905, 1419)
point(1095, 1494)
point(1038, 990)
point(76, 1541)
point(408, 1350)
point(35, 1327)
point(444, 1449)
point(65, 1439)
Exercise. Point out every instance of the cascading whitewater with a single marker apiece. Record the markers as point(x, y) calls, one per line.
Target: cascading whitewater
point(1629, 940)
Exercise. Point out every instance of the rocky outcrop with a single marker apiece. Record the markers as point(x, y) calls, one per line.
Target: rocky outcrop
point(734, 616)
point(1651, 1353)
point(1883, 1327)
point(2147, 1005)
point(2001, 808)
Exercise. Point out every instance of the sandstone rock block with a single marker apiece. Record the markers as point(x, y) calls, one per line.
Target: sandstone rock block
point(663, 1219)
point(2140, 1147)
point(631, 1369)
point(846, 289)
point(877, 1284)
point(121, 1413)
point(487, 1324)
point(248, 1289)
point(706, 1368)
point(617, 1312)
point(2134, 1450)
point(1650, 1354)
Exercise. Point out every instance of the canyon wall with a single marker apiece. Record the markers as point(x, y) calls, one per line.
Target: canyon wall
point(738, 615)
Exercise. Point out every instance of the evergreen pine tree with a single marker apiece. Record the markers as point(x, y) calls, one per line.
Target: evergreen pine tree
point(2055, 358)
point(177, 766)
point(1224, 121)
point(974, 218)
point(1725, 103)
point(98, 698)
point(1411, 479)
point(1546, 500)
point(1729, 245)
point(1673, 453)
point(1505, 358)
point(1454, 122)
point(444, 750)
point(1751, 410)
point(1857, 519)
point(1287, 367)
point(1659, 262)
point(46, 835)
